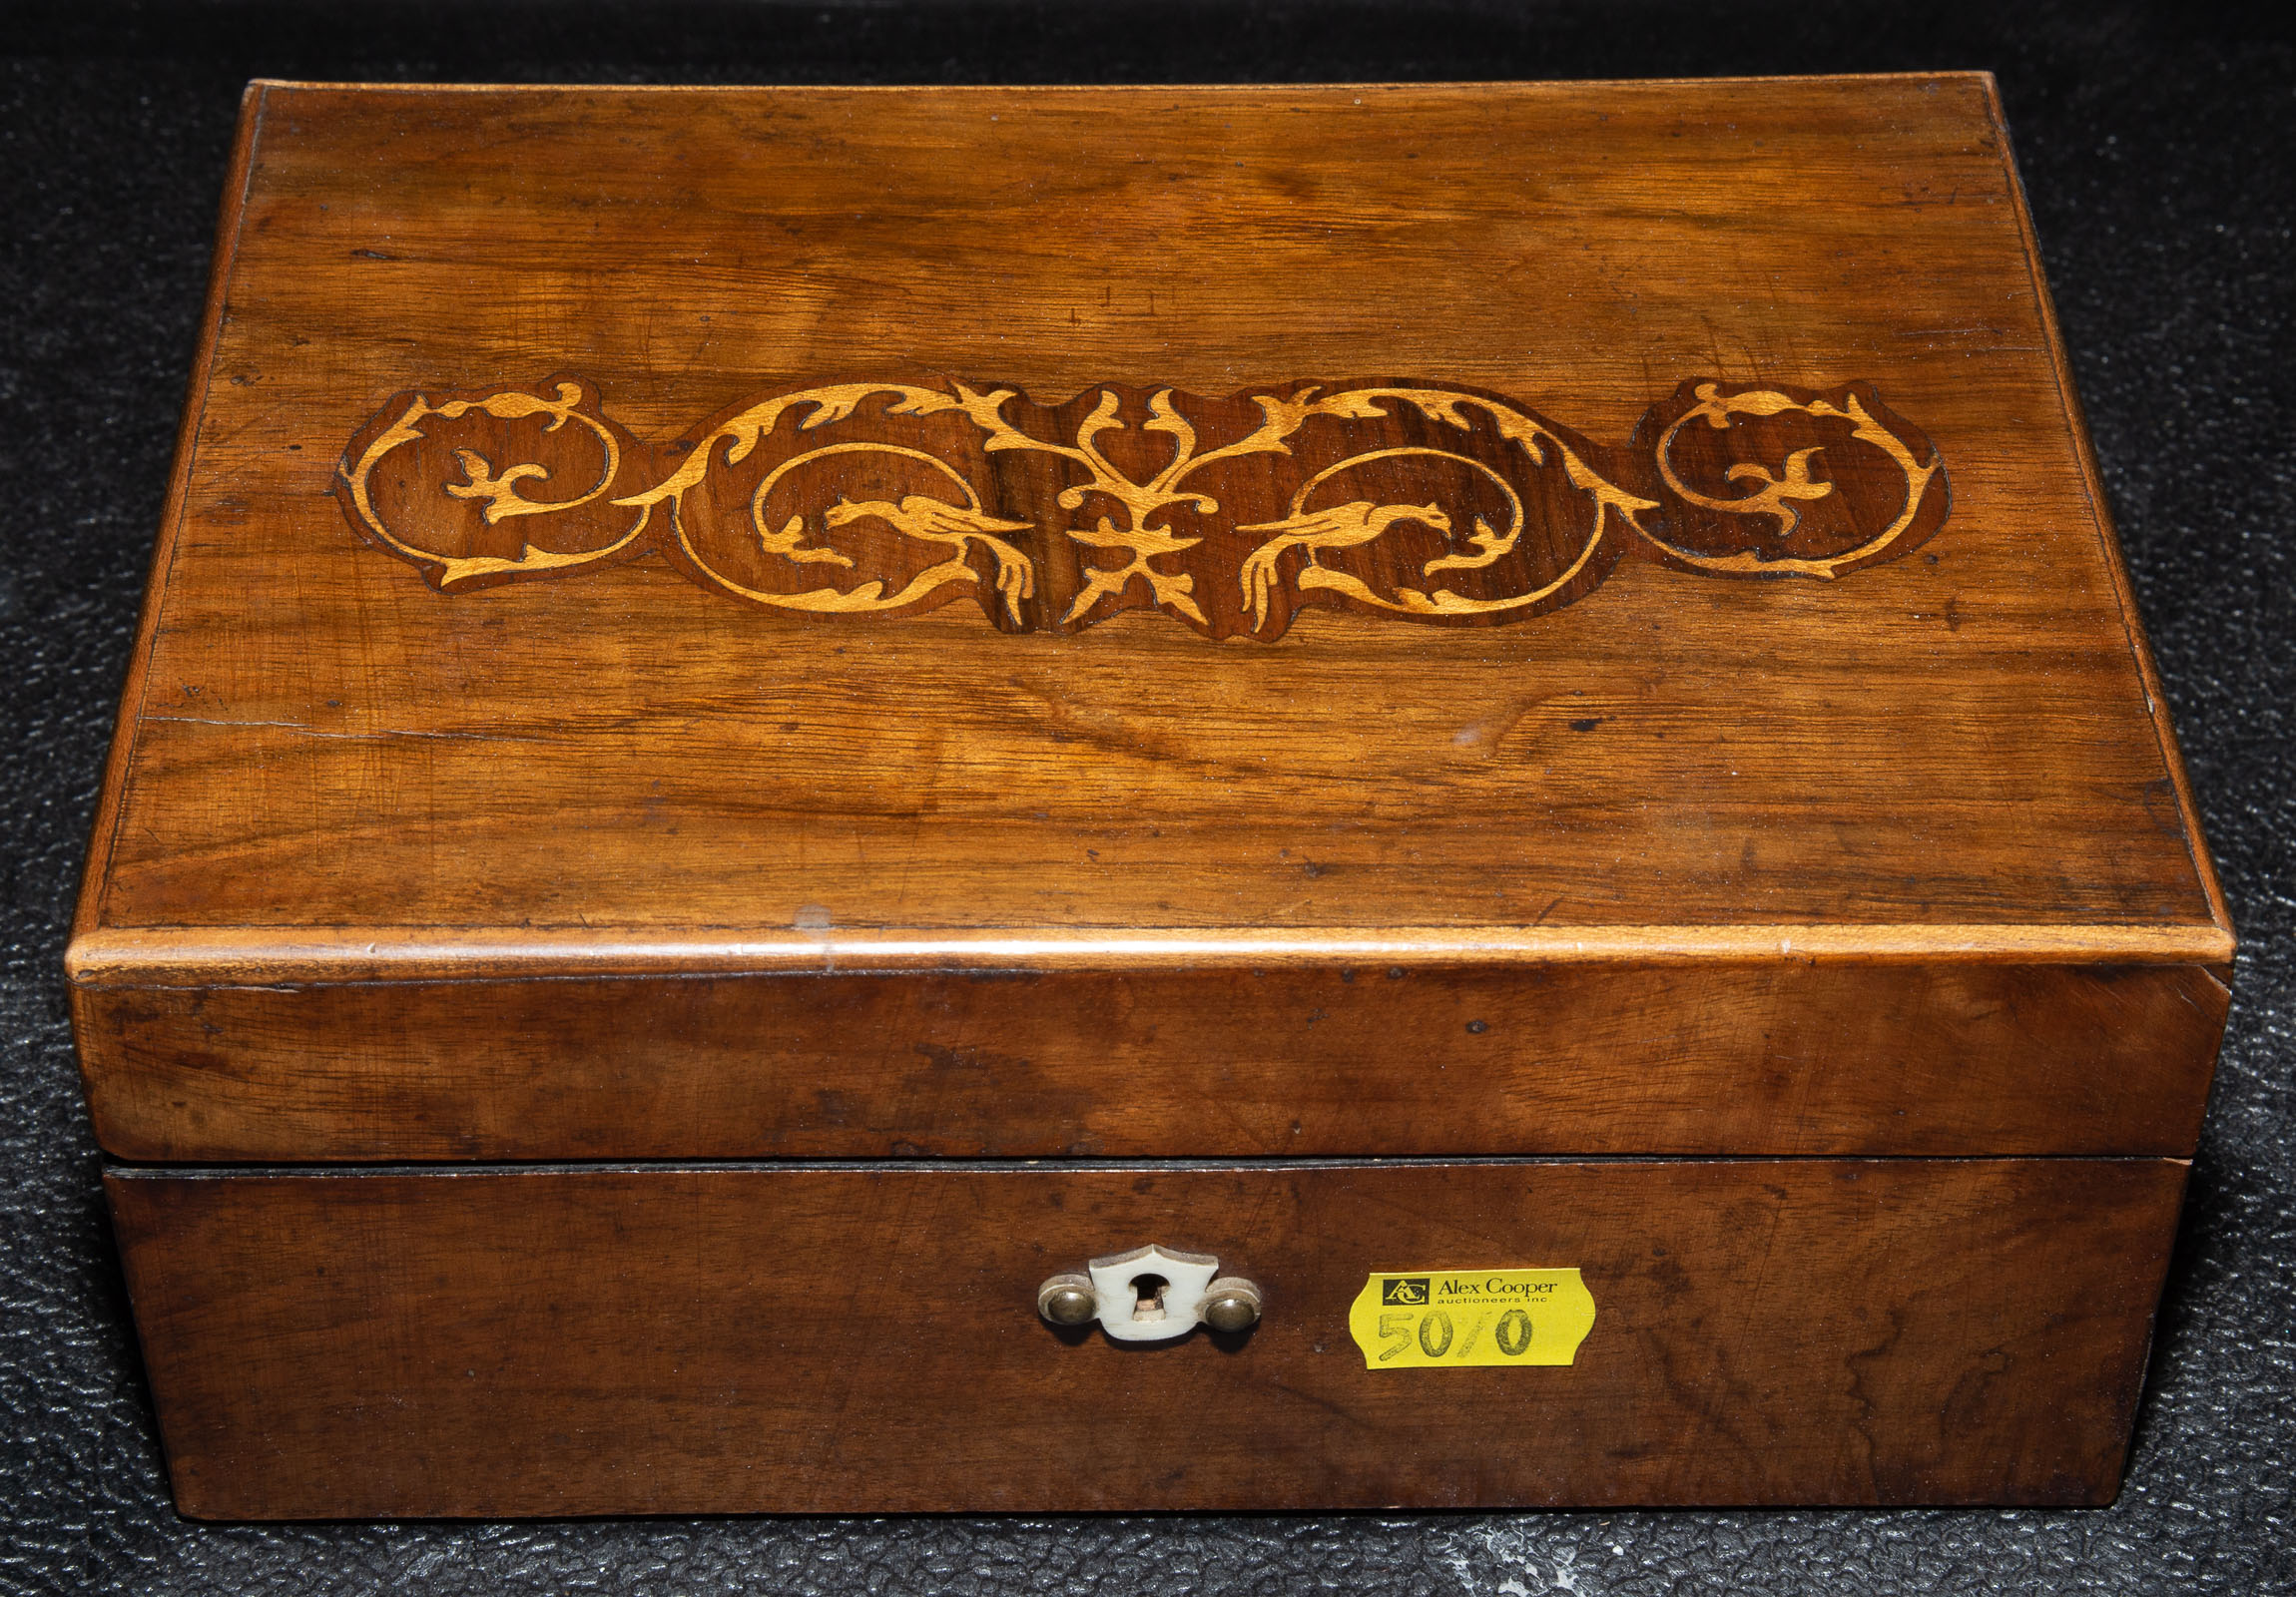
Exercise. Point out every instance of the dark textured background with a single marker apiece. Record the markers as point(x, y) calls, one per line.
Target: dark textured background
point(2157, 149)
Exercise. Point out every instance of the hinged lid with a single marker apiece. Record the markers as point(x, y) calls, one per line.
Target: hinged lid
point(701, 623)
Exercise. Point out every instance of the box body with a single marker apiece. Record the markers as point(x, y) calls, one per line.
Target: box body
point(726, 663)
point(850, 1338)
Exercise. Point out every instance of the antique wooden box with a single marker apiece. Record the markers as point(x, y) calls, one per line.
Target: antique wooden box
point(777, 727)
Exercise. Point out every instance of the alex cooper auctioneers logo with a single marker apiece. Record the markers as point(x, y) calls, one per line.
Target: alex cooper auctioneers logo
point(1404, 1289)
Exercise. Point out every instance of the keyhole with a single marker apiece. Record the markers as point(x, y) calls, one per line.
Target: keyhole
point(1148, 1296)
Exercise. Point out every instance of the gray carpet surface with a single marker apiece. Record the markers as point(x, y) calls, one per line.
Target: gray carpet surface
point(2156, 148)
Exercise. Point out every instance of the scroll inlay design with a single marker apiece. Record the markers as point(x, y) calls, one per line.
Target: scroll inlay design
point(1431, 502)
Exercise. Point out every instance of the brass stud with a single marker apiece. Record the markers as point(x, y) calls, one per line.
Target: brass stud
point(1067, 1299)
point(1230, 1304)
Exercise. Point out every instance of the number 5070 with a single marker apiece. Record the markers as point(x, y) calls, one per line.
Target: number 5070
point(1439, 1336)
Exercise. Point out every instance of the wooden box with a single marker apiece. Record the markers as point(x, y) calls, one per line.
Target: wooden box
point(770, 718)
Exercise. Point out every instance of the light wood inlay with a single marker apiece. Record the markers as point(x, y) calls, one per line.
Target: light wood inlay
point(1243, 520)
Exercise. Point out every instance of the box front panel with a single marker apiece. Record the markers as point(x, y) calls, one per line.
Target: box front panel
point(1780, 1057)
point(852, 1339)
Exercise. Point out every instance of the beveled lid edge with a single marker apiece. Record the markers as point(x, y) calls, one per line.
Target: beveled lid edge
point(223, 956)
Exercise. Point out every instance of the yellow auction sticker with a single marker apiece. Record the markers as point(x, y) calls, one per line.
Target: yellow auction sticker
point(1424, 1318)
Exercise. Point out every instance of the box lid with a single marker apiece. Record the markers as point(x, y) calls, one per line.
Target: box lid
point(696, 623)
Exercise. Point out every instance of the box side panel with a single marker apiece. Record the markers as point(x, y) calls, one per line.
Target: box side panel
point(96, 872)
point(845, 1340)
point(1778, 1058)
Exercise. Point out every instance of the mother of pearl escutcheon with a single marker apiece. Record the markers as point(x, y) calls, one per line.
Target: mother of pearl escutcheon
point(1151, 1294)
point(1454, 1318)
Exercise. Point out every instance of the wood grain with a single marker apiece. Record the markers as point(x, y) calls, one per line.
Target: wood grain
point(1596, 1057)
point(800, 1339)
point(1957, 741)
point(329, 774)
